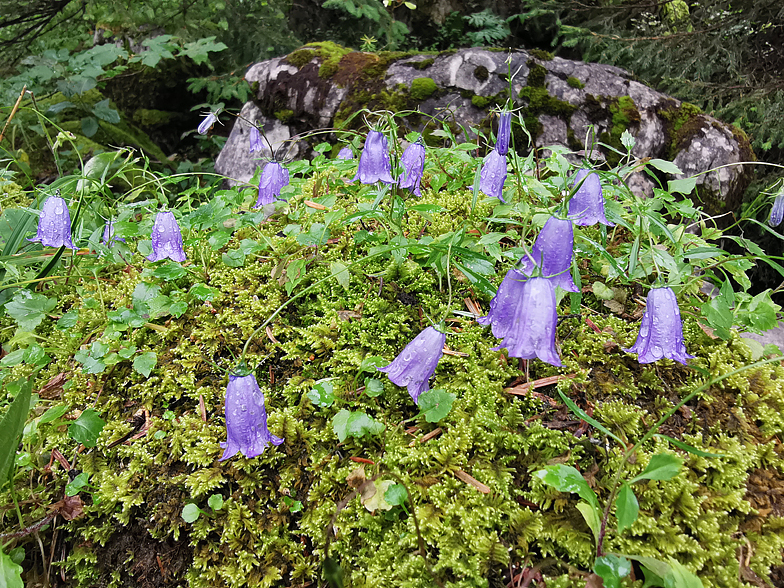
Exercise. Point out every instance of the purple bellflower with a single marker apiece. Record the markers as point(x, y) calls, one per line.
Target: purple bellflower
point(777, 212)
point(552, 252)
point(504, 133)
point(661, 330)
point(206, 124)
point(256, 144)
point(417, 363)
point(346, 153)
point(54, 224)
point(273, 178)
point(246, 419)
point(586, 207)
point(493, 175)
point(523, 315)
point(413, 162)
point(166, 238)
point(108, 234)
point(374, 165)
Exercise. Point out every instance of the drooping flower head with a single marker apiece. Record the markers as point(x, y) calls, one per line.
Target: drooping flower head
point(374, 165)
point(504, 133)
point(417, 363)
point(552, 252)
point(586, 207)
point(523, 315)
point(346, 153)
point(108, 234)
point(777, 212)
point(256, 143)
point(272, 180)
point(206, 124)
point(661, 330)
point(166, 238)
point(493, 175)
point(246, 419)
point(54, 224)
point(413, 162)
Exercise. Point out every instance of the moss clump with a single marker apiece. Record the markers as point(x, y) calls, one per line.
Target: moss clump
point(575, 83)
point(624, 115)
point(481, 73)
point(328, 52)
point(536, 74)
point(683, 121)
point(480, 101)
point(284, 116)
point(422, 88)
point(424, 64)
point(152, 118)
point(301, 57)
point(542, 54)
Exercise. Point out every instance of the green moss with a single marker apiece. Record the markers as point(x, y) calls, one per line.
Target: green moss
point(536, 74)
point(151, 118)
point(424, 64)
point(284, 116)
point(481, 73)
point(541, 54)
point(480, 101)
point(301, 57)
point(329, 54)
point(422, 88)
point(575, 83)
point(682, 121)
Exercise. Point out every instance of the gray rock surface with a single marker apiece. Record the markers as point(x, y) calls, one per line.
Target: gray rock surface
point(562, 101)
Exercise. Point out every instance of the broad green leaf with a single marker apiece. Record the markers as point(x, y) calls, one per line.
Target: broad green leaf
point(105, 112)
point(340, 424)
point(29, 309)
point(602, 292)
point(145, 362)
point(322, 394)
point(317, 236)
point(190, 513)
point(10, 572)
point(665, 166)
point(203, 292)
point(178, 309)
point(75, 486)
point(434, 405)
point(68, 320)
point(371, 363)
point(684, 186)
point(681, 577)
point(199, 50)
point(396, 495)
point(169, 271)
point(234, 258)
point(626, 508)
point(374, 387)
point(53, 413)
point(565, 478)
point(143, 293)
point(354, 424)
point(340, 273)
point(86, 428)
point(592, 517)
point(612, 568)
point(215, 502)
point(89, 126)
point(13, 358)
point(11, 428)
point(662, 466)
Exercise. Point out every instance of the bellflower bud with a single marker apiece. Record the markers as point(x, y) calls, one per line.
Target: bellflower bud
point(552, 252)
point(346, 153)
point(777, 212)
point(206, 124)
point(493, 175)
point(54, 224)
point(273, 178)
point(256, 143)
point(586, 207)
point(504, 133)
point(166, 238)
point(417, 363)
point(413, 162)
point(661, 330)
point(108, 234)
point(374, 163)
point(246, 419)
point(523, 315)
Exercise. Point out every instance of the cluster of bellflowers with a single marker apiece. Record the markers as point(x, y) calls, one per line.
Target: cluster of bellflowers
point(522, 315)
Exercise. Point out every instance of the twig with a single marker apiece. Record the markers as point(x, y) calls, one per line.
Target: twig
point(13, 112)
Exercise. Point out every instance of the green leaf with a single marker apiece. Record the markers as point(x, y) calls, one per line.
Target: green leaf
point(681, 577)
point(317, 236)
point(626, 508)
point(202, 292)
point(592, 517)
point(396, 495)
point(667, 167)
point(86, 428)
point(322, 394)
point(662, 466)
point(687, 447)
point(602, 292)
point(105, 112)
point(13, 358)
point(10, 572)
point(611, 568)
point(169, 271)
point(28, 309)
point(340, 272)
point(199, 50)
point(75, 486)
point(89, 126)
point(584, 416)
point(565, 478)
point(340, 424)
point(53, 413)
point(68, 320)
point(684, 186)
point(215, 502)
point(374, 387)
point(234, 258)
point(144, 293)
point(354, 424)
point(190, 513)
point(434, 405)
point(371, 363)
point(178, 309)
point(11, 428)
point(145, 362)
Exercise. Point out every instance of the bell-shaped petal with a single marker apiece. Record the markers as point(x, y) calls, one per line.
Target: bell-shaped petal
point(413, 162)
point(206, 124)
point(552, 252)
point(256, 142)
point(777, 212)
point(246, 419)
point(504, 133)
point(374, 165)
point(417, 363)
point(523, 315)
point(273, 178)
point(54, 224)
point(346, 153)
point(661, 330)
point(166, 238)
point(586, 206)
point(108, 234)
point(493, 175)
